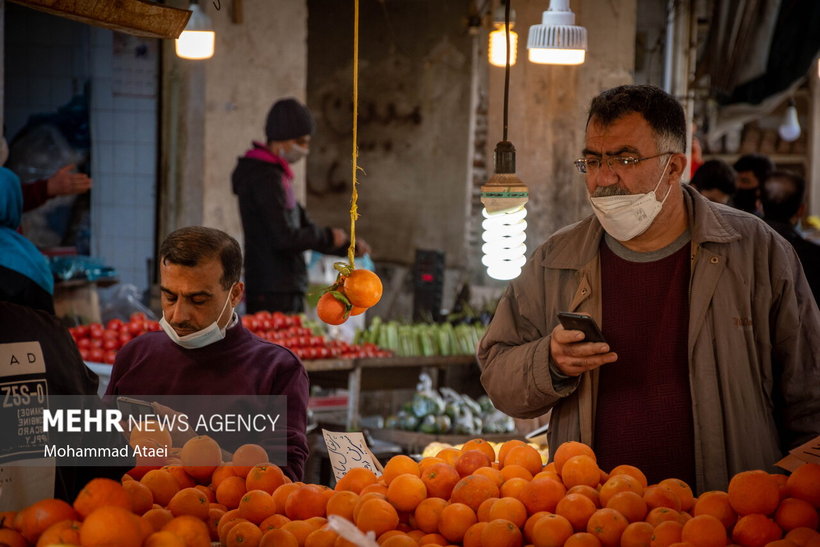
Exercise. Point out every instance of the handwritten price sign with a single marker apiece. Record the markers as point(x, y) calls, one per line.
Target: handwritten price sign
point(805, 453)
point(348, 451)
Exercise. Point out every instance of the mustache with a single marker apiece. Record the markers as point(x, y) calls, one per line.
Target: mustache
point(614, 190)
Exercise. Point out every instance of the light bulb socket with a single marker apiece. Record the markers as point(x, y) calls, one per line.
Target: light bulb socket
point(504, 192)
point(504, 157)
point(557, 29)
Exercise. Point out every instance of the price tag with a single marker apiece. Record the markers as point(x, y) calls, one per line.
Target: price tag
point(805, 453)
point(348, 450)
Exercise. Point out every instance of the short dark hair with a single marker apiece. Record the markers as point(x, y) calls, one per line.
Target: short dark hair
point(758, 164)
point(662, 111)
point(193, 244)
point(714, 174)
point(782, 201)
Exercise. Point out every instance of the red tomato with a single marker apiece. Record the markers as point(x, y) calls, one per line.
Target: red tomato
point(82, 331)
point(137, 316)
point(110, 356)
point(124, 338)
point(84, 343)
point(110, 344)
point(85, 354)
point(96, 355)
point(136, 327)
point(263, 315)
point(95, 330)
point(250, 322)
point(96, 342)
point(114, 324)
point(110, 334)
point(264, 324)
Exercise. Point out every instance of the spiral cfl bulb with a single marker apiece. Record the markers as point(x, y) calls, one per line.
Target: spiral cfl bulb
point(504, 249)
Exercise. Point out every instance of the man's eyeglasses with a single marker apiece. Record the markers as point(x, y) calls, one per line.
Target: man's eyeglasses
point(616, 163)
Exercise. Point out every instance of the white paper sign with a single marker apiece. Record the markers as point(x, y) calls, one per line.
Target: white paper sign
point(348, 450)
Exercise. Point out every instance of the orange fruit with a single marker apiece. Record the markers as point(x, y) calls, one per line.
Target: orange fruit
point(629, 504)
point(274, 521)
point(162, 485)
point(356, 479)
point(256, 506)
point(378, 516)
point(551, 531)
point(38, 516)
point(157, 518)
point(281, 494)
point(683, 491)
point(583, 539)
point(363, 288)
point(632, 471)
point(221, 473)
point(619, 483)
point(542, 494)
point(267, 477)
point(246, 456)
point(331, 310)
point(278, 538)
point(755, 529)
point(472, 490)
point(569, 449)
point(163, 539)
point(214, 516)
point(375, 487)
point(482, 446)
point(244, 534)
point(637, 534)
point(503, 533)
point(321, 537)
point(400, 540)
point(65, 531)
point(471, 460)
point(406, 491)
point(577, 509)
point(305, 502)
point(431, 539)
point(505, 449)
point(662, 514)
point(200, 456)
point(802, 484)
point(428, 513)
point(449, 455)
point(525, 456)
point(111, 525)
point(510, 471)
point(183, 479)
point(666, 533)
point(230, 491)
point(399, 465)
point(513, 487)
point(716, 503)
point(189, 501)
point(753, 492)
point(802, 536)
point(796, 513)
point(342, 503)
point(704, 531)
point(193, 531)
point(440, 479)
point(140, 496)
point(661, 496)
point(510, 509)
point(454, 521)
point(607, 525)
point(98, 493)
point(364, 498)
point(299, 528)
point(580, 469)
point(472, 537)
point(587, 491)
point(12, 538)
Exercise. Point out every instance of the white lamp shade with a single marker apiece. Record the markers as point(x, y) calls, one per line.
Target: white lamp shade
point(557, 40)
point(198, 39)
point(557, 56)
point(497, 51)
point(789, 130)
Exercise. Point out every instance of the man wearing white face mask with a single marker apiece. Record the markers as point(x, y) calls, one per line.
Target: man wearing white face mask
point(711, 364)
point(276, 227)
point(204, 348)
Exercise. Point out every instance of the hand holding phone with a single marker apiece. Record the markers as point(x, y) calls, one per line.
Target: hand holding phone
point(572, 356)
point(583, 323)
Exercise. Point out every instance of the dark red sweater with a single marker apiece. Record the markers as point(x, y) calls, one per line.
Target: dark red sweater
point(240, 364)
point(643, 415)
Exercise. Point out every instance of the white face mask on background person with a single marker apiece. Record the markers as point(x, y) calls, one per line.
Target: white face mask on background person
point(627, 217)
point(295, 153)
point(201, 338)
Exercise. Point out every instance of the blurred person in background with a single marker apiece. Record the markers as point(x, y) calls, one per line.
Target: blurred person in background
point(276, 227)
point(25, 276)
point(783, 200)
point(65, 182)
point(752, 170)
point(715, 179)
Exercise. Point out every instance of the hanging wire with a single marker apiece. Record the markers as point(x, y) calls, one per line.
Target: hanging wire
point(507, 64)
point(354, 208)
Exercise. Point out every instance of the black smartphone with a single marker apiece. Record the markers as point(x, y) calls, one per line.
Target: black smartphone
point(134, 407)
point(583, 323)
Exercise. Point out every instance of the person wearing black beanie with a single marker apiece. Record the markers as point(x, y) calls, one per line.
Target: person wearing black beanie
point(276, 227)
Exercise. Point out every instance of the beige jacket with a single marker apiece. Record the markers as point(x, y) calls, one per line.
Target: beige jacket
point(754, 341)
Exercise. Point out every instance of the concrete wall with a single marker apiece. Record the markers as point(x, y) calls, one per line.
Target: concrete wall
point(215, 108)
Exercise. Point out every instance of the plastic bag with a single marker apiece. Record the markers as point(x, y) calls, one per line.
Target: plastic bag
point(123, 301)
point(83, 267)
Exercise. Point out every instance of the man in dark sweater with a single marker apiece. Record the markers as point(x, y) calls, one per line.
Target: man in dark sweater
point(205, 349)
point(276, 227)
point(782, 197)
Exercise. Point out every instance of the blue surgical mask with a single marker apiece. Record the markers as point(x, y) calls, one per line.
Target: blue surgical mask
point(201, 338)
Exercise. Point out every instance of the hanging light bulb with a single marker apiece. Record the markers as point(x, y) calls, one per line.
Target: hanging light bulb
point(497, 50)
point(197, 40)
point(789, 130)
point(557, 40)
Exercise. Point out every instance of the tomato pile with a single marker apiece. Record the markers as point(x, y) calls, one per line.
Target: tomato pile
point(99, 343)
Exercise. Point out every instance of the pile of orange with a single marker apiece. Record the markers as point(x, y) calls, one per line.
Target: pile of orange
point(353, 292)
point(469, 496)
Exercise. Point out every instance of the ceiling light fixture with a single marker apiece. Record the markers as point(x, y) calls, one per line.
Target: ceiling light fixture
point(504, 197)
point(789, 130)
point(497, 50)
point(557, 40)
point(197, 40)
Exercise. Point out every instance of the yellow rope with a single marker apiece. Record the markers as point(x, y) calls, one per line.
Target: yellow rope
point(354, 208)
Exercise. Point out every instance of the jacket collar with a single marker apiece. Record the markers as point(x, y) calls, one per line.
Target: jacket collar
point(576, 245)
